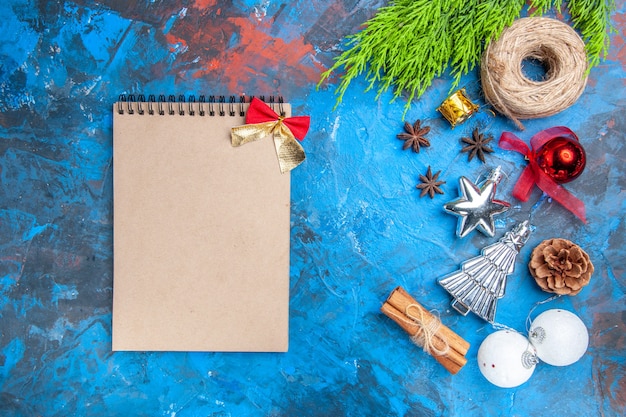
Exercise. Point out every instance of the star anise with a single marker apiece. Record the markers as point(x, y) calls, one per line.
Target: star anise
point(477, 145)
point(415, 136)
point(430, 184)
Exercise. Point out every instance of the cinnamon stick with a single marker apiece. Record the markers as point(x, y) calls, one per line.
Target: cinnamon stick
point(453, 366)
point(400, 299)
point(395, 307)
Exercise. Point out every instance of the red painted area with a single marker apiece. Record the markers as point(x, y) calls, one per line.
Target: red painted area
point(202, 4)
point(610, 123)
point(257, 52)
point(240, 51)
point(173, 40)
point(67, 259)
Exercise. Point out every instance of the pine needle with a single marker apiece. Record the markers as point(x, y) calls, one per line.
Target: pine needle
point(409, 43)
point(593, 19)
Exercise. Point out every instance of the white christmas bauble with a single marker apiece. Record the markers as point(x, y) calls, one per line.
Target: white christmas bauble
point(506, 358)
point(559, 337)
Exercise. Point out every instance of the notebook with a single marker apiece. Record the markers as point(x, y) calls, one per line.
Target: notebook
point(201, 230)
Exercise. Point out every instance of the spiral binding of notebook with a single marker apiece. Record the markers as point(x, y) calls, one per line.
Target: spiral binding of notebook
point(203, 106)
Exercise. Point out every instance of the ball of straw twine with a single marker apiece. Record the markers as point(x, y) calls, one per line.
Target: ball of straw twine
point(556, 46)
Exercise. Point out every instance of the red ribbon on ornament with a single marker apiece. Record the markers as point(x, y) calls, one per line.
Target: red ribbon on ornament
point(534, 175)
point(260, 112)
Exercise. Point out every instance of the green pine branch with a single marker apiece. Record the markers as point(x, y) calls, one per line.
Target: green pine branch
point(592, 18)
point(409, 43)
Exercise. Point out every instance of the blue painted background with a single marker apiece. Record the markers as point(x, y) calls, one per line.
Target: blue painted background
point(359, 227)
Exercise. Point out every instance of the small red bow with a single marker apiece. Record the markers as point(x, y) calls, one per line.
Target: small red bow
point(262, 121)
point(260, 112)
point(533, 174)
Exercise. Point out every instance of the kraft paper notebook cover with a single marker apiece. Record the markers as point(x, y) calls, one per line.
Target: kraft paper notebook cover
point(201, 232)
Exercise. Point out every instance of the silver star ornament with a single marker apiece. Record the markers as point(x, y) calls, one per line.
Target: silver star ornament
point(477, 205)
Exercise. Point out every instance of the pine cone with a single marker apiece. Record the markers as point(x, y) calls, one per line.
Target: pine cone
point(560, 266)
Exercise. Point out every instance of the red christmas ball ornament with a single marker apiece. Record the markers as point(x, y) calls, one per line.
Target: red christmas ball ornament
point(562, 158)
point(555, 156)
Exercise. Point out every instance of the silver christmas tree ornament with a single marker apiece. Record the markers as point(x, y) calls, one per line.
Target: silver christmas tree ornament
point(481, 281)
point(477, 205)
